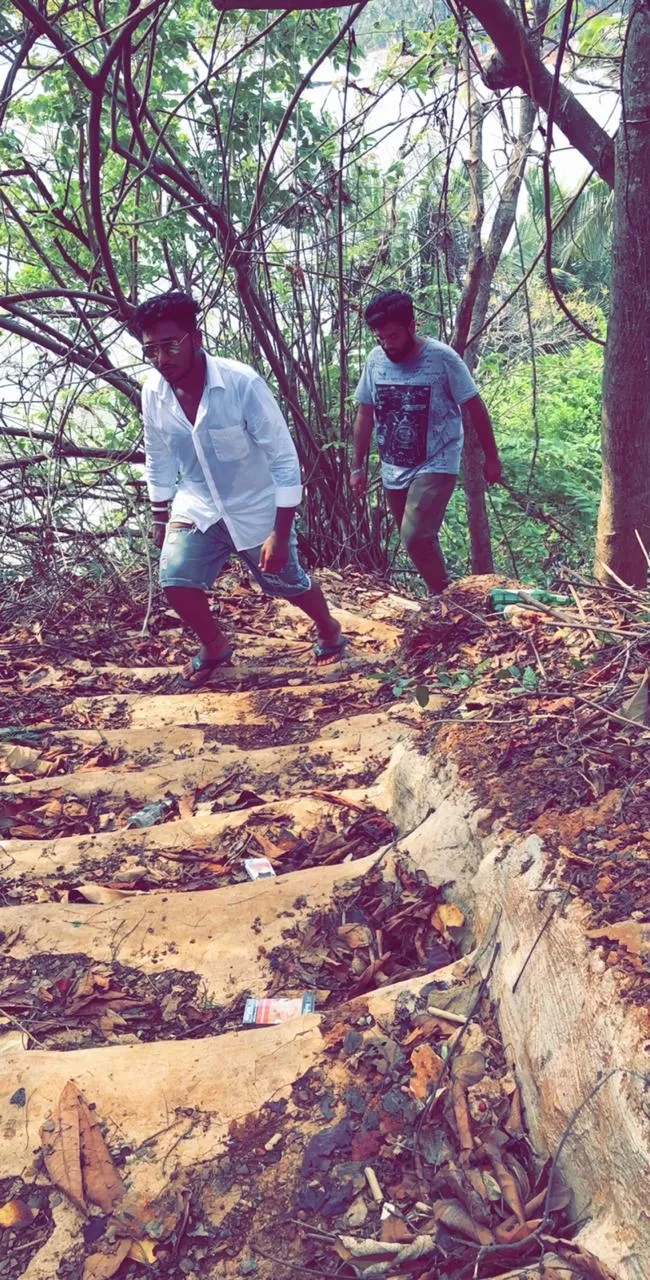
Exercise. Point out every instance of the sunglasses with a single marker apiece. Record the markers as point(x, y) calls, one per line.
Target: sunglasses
point(153, 350)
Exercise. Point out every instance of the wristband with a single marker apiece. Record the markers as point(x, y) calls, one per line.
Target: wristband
point(357, 471)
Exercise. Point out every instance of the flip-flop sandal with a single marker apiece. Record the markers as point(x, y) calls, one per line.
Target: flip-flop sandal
point(325, 652)
point(204, 668)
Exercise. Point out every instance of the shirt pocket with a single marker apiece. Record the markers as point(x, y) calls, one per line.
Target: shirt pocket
point(230, 444)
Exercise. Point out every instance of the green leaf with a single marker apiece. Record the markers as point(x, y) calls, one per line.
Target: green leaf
point(529, 679)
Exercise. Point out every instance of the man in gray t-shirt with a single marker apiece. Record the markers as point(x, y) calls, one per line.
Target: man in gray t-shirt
point(416, 391)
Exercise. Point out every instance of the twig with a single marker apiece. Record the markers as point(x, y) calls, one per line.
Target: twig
point(540, 664)
point(557, 906)
point(575, 1115)
point(536, 1235)
point(482, 988)
point(434, 1012)
point(625, 586)
point(580, 607)
point(643, 547)
point(295, 1266)
point(181, 1137)
point(455, 604)
point(611, 715)
point(25, 1030)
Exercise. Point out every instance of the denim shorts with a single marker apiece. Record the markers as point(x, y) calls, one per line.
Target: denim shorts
point(190, 558)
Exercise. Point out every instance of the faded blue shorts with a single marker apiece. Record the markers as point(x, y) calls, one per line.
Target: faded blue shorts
point(190, 558)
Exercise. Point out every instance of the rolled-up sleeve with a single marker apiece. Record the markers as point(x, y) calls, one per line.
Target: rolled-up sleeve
point(267, 427)
point(161, 467)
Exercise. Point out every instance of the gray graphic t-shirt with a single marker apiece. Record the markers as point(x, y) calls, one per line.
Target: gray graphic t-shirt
point(417, 410)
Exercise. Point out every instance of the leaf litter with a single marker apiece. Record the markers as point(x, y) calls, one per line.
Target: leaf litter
point(368, 1163)
point(411, 1133)
point(375, 931)
point(563, 695)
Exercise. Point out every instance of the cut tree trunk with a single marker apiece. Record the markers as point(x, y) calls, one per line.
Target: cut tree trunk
point(624, 517)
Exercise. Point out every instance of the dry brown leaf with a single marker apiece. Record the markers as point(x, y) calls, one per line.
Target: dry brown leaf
point(217, 868)
point(101, 1266)
point(429, 1025)
point(110, 1022)
point(269, 849)
point(102, 1182)
point(62, 1147)
point(462, 1116)
point(52, 810)
point(505, 1178)
point(27, 832)
point(427, 1070)
point(186, 804)
point(447, 916)
point(395, 1230)
point(560, 1198)
point(468, 1068)
point(636, 707)
point(590, 1268)
point(74, 809)
point(355, 935)
point(515, 1122)
point(340, 800)
point(16, 1214)
point(453, 1216)
point(634, 935)
point(16, 756)
point(368, 974)
point(143, 1251)
point(100, 894)
point(520, 1231)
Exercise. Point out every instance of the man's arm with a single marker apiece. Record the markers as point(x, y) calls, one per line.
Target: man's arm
point(476, 416)
point(361, 435)
point(274, 552)
point(161, 470)
point(266, 425)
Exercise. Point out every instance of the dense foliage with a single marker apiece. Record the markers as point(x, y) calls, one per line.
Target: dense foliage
point(281, 166)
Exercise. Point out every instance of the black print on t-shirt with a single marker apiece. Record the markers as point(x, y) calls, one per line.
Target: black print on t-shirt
point(402, 416)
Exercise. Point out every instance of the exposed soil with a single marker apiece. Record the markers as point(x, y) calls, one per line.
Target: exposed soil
point(411, 1126)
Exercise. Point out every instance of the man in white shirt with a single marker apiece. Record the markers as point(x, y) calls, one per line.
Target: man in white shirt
point(218, 447)
point(417, 392)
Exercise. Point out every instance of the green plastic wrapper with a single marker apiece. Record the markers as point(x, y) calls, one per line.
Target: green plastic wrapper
point(501, 597)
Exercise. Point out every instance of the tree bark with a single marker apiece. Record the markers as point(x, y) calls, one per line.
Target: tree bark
point(472, 310)
point(473, 482)
point(625, 498)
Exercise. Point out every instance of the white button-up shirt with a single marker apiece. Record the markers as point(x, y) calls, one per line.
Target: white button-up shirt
point(237, 463)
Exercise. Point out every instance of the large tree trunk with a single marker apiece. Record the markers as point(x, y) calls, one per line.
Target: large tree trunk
point(624, 515)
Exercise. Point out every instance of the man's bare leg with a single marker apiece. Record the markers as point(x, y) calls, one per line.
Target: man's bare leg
point(314, 604)
point(192, 606)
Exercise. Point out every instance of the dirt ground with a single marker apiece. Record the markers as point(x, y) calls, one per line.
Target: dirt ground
point(385, 1137)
